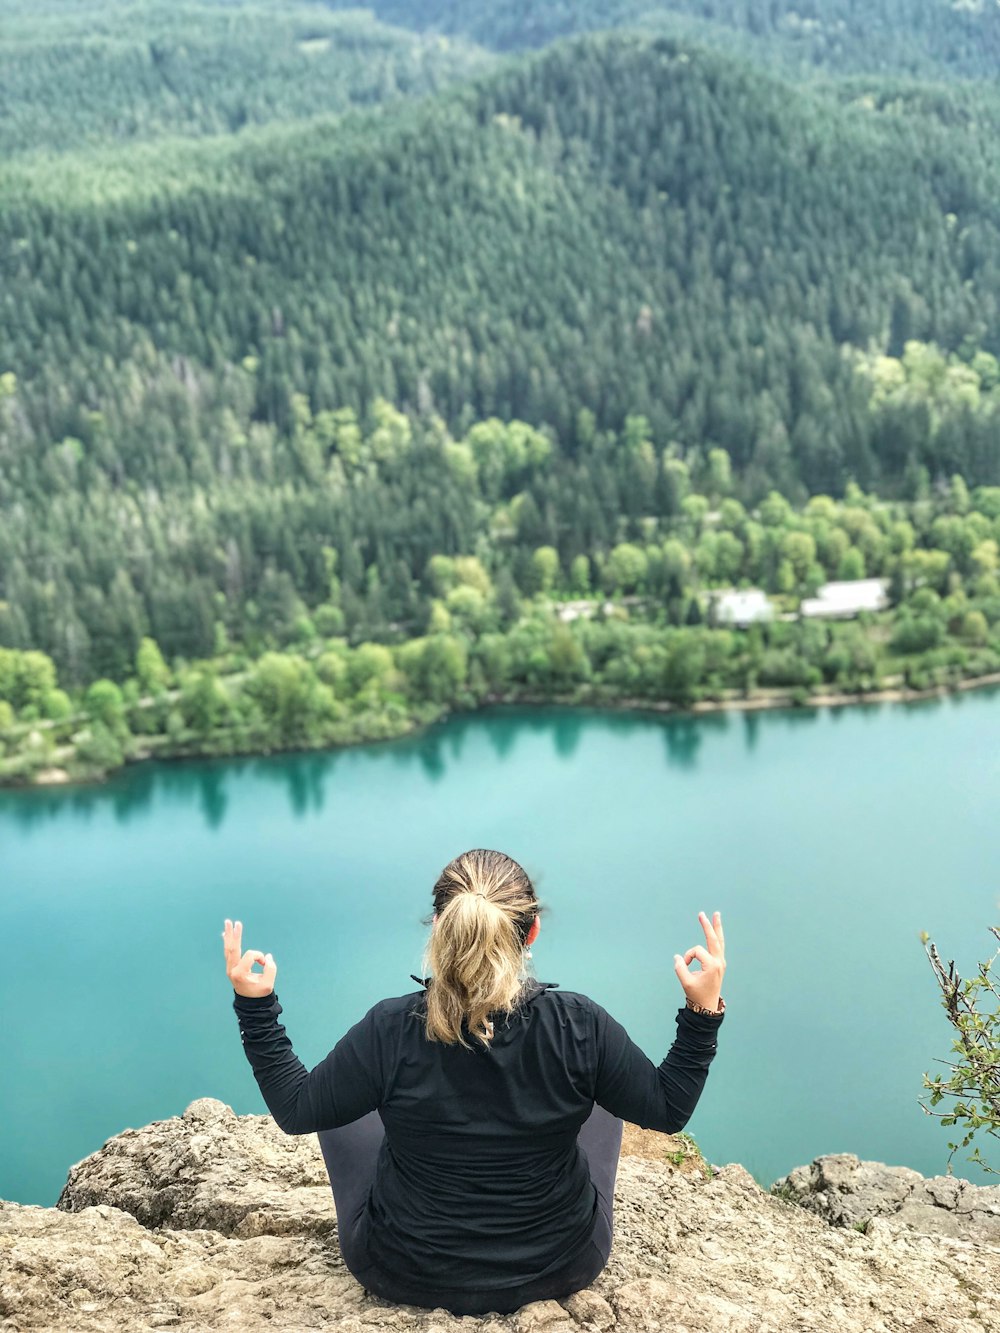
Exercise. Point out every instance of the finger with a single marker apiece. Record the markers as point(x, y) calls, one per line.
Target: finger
point(717, 922)
point(245, 965)
point(228, 943)
point(270, 971)
point(701, 953)
point(710, 936)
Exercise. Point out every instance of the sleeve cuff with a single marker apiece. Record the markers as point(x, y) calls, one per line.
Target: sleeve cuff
point(700, 1022)
point(250, 1003)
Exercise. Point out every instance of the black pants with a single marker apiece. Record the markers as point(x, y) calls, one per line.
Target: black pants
point(350, 1153)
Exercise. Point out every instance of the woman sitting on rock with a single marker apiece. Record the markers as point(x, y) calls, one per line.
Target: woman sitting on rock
point(471, 1129)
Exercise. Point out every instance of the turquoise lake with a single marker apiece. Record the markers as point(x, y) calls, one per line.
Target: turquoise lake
point(828, 839)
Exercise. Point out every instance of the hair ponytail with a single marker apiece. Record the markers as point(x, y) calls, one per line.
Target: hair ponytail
point(485, 905)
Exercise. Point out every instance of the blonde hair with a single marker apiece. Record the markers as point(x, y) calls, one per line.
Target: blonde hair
point(485, 905)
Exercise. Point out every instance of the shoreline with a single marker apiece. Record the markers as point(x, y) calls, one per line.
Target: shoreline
point(60, 777)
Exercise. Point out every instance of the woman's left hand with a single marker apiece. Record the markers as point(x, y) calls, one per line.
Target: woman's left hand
point(238, 967)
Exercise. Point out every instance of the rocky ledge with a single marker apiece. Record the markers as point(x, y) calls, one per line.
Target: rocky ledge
point(213, 1221)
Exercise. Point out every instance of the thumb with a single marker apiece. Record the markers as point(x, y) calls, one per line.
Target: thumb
point(680, 967)
point(270, 969)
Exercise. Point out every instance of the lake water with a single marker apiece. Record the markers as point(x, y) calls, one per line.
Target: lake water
point(828, 839)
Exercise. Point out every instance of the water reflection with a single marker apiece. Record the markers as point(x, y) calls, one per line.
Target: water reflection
point(798, 719)
point(926, 706)
point(502, 739)
point(30, 806)
point(431, 756)
point(455, 737)
point(751, 730)
point(567, 728)
point(304, 775)
point(682, 740)
point(213, 799)
point(685, 735)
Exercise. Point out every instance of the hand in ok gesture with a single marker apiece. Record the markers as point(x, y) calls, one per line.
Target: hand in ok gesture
point(704, 987)
point(238, 967)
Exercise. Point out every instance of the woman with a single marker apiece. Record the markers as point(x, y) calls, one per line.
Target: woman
point(471, 1129)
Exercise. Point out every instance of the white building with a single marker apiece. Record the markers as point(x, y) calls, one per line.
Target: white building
point(586, 608)
point(847, 598)
point(742, 607)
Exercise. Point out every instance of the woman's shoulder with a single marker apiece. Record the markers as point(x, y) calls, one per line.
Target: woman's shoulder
point(410, 1001)
point(552, 993)
point(571, 999)
point(394, 1007)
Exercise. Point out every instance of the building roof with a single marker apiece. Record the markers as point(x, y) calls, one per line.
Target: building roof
point(743, 606)
point(847, 598)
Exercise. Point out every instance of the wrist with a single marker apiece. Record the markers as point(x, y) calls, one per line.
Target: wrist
point(256, 1001)
point(713, 1009)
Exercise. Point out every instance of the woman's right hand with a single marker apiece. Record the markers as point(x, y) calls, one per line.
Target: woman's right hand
point(704, 987)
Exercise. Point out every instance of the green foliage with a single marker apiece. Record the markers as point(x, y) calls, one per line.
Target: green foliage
point(25, 677)
point(56, 705)
point(290, 698)
point(626, 568)
point(104, 702)
point(689, 1150)
point(150, 668)
point(917, 634)
point(545, 568)
point(204, 703)
point(98, 748)
point(974, 1080)
point(435, 667)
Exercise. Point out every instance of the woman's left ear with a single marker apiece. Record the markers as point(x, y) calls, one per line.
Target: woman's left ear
point(532, 934)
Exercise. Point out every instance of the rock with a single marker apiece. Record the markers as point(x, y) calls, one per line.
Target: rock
point(212, 1221)
point(543, 1317)
point(590, 1310)
point(848, 1192)
point(212, 1169)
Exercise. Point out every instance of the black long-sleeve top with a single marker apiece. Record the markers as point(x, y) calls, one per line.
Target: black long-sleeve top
point(479, 1182)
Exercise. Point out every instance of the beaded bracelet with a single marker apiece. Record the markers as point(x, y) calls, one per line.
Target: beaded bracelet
point(700, 1008)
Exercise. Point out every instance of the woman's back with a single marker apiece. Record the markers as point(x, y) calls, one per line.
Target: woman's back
point(480, 1171)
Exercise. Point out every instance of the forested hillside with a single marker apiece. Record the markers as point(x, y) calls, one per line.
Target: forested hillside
point(617, 225)
point(76, 75)
point(953, 38)
point(207, 345)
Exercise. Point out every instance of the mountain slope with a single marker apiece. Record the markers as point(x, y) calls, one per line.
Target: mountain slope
point(954, 38)
point(620, 225)
point(98, 74)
